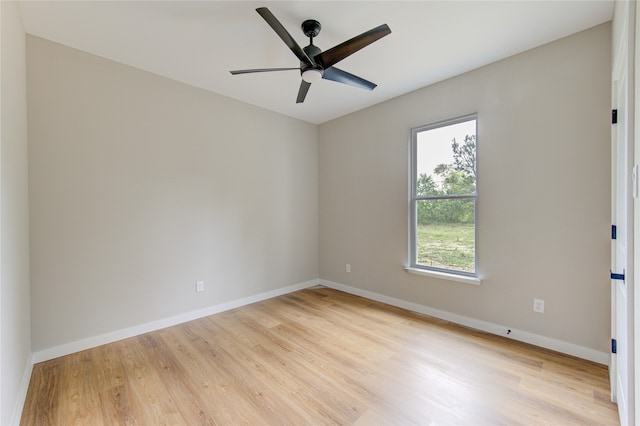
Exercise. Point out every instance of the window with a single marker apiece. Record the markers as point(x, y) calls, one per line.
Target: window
point(444, 197)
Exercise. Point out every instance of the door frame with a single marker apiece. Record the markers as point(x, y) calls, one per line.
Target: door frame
point(624, 61)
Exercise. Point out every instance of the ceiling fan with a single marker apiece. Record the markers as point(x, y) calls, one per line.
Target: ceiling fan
point(316, 64)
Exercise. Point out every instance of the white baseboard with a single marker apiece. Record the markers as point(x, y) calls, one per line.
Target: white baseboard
point(500, 330)
point(92, 342)
point(22, 392)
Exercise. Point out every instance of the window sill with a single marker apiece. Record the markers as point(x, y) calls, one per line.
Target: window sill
point(445, 276)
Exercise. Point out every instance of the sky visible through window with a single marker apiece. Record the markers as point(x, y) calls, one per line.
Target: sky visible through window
point(434, 146)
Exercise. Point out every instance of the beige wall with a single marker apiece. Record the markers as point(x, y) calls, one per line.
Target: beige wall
point(140, 186)
point(15, 328)
point(543, 212)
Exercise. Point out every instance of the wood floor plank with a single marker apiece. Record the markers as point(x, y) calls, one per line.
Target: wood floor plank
point(318, 356)
point(147, 387)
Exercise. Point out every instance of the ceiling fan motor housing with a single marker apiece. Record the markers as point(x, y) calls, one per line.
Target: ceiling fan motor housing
point(311, 52)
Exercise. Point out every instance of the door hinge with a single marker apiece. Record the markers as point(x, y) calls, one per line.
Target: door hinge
point(614, 346)
point(614, 232)
point(617, 276)
point(614, 116)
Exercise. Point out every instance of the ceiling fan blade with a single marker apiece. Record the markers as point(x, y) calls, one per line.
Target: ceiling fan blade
point(335, 74)
point(284, 34)
point(261, 70)
point(302, 92)
point(341, 51)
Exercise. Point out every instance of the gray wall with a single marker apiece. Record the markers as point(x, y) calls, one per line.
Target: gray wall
point(544, 192)
point(15, 312)
point(140, 186)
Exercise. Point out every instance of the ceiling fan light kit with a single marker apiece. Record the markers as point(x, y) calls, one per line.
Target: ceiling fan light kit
point(312, 75)
point(315, 64)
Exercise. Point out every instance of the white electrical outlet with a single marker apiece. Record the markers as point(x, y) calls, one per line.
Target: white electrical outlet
point(538, 306)
point(199, 286)
point(348, 267)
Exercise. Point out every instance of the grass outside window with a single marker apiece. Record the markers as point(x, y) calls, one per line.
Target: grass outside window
point(447, 246)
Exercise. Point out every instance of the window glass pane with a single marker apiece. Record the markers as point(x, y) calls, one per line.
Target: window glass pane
point(446, 160)
point(445, 234)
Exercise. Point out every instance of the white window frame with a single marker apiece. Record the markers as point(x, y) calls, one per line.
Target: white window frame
point(414, 267)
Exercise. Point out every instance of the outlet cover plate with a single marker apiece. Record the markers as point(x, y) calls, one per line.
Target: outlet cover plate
point(538, 306)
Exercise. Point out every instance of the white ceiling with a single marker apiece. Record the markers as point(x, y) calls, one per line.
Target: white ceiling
point(198, 42)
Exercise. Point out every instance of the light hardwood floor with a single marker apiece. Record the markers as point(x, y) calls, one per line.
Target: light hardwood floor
point(318, 356)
